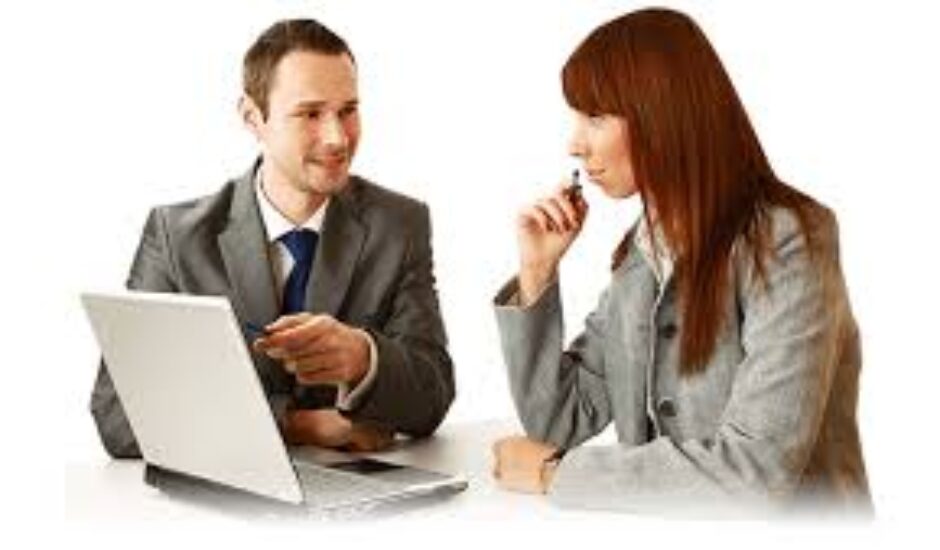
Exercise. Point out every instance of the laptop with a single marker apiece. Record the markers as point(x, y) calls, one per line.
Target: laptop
point(183, 371)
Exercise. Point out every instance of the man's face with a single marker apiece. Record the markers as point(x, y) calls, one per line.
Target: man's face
point(310, 134)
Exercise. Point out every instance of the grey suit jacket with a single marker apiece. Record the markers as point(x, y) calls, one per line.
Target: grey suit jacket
point(373, 269)
point(772, 417)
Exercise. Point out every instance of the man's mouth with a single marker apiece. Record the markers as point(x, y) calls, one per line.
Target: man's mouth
point(330, 163)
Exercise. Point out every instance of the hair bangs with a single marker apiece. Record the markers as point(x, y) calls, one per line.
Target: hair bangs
point(582, 79)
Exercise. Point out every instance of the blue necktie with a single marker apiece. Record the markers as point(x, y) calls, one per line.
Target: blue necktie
point(302, 244)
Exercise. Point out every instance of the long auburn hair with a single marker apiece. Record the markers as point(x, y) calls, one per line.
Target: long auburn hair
point(696, 159)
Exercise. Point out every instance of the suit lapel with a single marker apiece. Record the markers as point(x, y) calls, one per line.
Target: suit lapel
point(244, 251)
point(635, 293)
point(341, 240)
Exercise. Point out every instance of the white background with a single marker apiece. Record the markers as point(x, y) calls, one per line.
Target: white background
point(116, 107)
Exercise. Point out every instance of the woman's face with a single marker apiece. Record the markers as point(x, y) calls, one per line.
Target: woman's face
point(600, 141)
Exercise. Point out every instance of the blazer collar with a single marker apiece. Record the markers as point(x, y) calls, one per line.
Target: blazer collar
point(341, 243)
point(244, 248)
point(634, 257)
point(636, 261)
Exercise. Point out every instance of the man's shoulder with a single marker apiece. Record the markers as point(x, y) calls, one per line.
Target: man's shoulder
point(369, 194)
point(384, 206)
point(205, 213)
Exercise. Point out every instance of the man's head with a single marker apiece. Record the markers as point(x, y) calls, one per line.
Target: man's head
point(301, 102)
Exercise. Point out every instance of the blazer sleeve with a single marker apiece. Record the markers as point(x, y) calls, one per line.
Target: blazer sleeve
point(414, 382)
point(560, 395)
point(767, 432)
point(151, 270)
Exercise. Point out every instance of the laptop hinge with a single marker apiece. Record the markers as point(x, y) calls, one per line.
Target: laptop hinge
point(202, 491)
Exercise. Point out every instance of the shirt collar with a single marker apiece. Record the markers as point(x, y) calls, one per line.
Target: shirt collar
point(275, 223)
point(652, 246)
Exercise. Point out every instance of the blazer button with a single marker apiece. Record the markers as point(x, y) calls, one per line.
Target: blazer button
point(669, 331)
point(666, 407)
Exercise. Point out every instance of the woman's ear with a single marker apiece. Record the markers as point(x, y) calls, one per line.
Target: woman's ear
point(251, 115)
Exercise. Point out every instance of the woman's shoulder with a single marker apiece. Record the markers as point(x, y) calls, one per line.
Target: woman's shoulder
point(806, 225)
point(802, 237)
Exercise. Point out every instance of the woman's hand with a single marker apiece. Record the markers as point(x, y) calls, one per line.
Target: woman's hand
point(520, 464)
point(544, 231)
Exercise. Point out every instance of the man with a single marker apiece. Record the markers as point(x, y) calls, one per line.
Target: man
point(338, 271)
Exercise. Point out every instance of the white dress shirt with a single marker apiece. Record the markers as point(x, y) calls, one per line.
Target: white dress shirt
point(282, 262)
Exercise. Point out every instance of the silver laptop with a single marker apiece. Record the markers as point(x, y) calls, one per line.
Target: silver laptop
point(183, 371)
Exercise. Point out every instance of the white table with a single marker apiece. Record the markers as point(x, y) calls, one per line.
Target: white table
point(109, 490)
point(105, 497)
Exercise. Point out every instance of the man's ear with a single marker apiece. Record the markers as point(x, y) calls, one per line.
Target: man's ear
point(251, 115)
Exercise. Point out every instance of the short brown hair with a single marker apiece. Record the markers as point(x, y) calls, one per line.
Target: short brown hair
point(280, 39)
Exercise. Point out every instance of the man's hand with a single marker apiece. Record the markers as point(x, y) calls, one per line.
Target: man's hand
point(320, 427)
point(369, 438)
point(520, 464)
point(318, 349)
point(328, 428)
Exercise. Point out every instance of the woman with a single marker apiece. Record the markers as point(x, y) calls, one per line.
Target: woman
point(724, 349)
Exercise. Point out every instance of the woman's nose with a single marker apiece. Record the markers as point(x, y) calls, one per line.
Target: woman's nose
point(577, 147)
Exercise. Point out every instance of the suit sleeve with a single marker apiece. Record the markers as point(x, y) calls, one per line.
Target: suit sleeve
point(772, 420)
point(560, 396)
point(414, 382)
point(150, 271)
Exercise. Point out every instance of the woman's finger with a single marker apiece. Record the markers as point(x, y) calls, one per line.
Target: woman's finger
point(556, 212)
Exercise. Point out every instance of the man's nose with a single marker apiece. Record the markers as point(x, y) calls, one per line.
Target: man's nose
point(333, 134)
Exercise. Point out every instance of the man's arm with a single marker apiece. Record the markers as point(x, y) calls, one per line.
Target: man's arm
point(413, 385)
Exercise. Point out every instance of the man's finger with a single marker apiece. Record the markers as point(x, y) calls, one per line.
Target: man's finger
point(287, 321)
point(301, 350)
point(327, 375)
point(315, 359)
point(309, 361)
point(295, 337)
point(272, 352)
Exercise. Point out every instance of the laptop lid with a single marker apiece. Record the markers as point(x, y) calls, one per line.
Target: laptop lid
point(190, 389)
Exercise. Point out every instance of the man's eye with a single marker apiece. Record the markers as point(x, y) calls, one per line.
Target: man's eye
point(311, 115)
point(348, 111)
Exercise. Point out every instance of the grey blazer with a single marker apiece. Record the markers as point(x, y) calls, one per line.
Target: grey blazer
point(373, 269)
point(771, 418)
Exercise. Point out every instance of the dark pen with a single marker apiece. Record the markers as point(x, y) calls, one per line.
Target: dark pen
point(573, 192)
point(254, 331)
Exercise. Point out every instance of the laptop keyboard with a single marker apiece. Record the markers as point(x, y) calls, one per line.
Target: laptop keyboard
point(326, 488)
